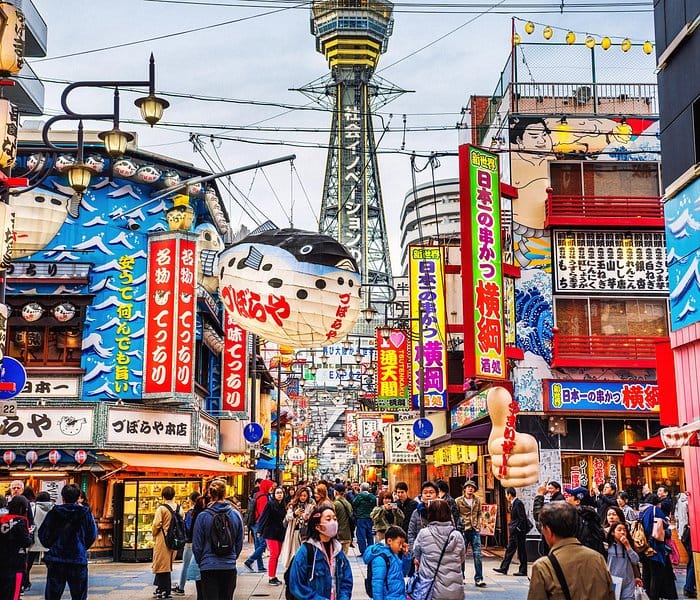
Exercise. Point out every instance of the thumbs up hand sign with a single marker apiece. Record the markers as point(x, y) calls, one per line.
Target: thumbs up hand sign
point(514, 456)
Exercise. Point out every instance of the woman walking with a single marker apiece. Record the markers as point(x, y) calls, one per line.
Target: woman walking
point(298, 512)
point(163, 556)
point(272, 528)
point(385, 515)
point(321, 496)
point(623, 561)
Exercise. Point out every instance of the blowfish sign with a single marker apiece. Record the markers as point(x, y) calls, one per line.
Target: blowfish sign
point(170, 316)
point(484, 347)
point(292, 287)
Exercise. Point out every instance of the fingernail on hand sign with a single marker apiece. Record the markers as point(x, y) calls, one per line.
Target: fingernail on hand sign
point(515, 459)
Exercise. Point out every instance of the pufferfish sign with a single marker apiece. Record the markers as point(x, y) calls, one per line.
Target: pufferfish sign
point(292, 287)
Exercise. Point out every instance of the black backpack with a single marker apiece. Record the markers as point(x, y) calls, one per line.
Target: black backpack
point(176, 536)
point(221, 533)
point(590, 532)
point(368, 579)
point(309, 564)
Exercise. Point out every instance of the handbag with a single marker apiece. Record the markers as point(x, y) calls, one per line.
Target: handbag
point(617, 586)
point(421, 588)
point(657, 530)
point(640, 594)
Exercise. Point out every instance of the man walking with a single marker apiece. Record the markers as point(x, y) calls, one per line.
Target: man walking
point(570, 570)
point(363, 504)
point(553, 489)
point(405, 503)
point(517, 530)
point(67, 531)
point(261, 500)
point(215, 550)
point(469, 507)
point(343, 511)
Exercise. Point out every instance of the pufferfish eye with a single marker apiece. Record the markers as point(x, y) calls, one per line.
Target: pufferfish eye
point(306, 249)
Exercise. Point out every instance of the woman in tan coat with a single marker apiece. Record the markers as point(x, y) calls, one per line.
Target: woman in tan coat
point(162, 555)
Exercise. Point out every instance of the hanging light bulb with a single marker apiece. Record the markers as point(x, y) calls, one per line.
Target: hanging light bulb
point(571, 38)
point(626, 44)
point(516, 39)
point(605, 43)
point(547, 33)
point(648, 47)
point(529, 27)
point(590, 42)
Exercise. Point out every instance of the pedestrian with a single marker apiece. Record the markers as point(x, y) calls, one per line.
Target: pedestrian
point(659, 580)
point(405, 503)
point(353, 491)
point(419, 518)
point(569, 564)
point(346, 519)
point(391, 562)
point(272, 528)
point(385, 515)
point(321, 496)
point(629, 513)
point(298, 512)
point(217, 567)
point(163, 556)
point(15, 539)
point(438, 553)
point(547, 492)
point(606, 499)
point(590, 531)
point(444, 494)
point(42, 506)
point(469, 506)
point(362, 506)
point(187, 551)
point(16, 488)
point(517, 530)
point(666, 505)
point(320, 569)
point(623, 561)
point(614, 515)
point(261, 498)
point(689, 588)
point(68, 531)
point(193, 572)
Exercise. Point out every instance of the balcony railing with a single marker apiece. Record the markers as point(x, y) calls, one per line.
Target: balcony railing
point(631, 211)
point(615, 351)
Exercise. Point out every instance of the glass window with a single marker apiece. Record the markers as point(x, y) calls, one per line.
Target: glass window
point(566, 179)
point(592, 434)
point(617, 178)
point(635, 316)
point(572, 439)
point(614, 434)
point(635, 431)
point(572, 316)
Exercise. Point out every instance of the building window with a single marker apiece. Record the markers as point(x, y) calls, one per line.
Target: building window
point(638, 317)
point(45, 346)
point(605, 178)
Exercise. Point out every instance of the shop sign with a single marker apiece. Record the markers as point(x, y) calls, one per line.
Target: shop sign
point(455, 454)
point(611, 396)
point(53, 488)
point(4, 313)
point(235, 366)
point(469, 410)
point(46, 425)
point(489, 512)
point(350, 426)
point(619, 262)
point(7, 230)
point(393, 382)
point(148, 428)
point(402, 446)
point(185, 315)
point(369, 425)
point(208, 435)
point(124, 371)
point(353, 180)
point(428, 330)
point(51, 387)
point(484, 333)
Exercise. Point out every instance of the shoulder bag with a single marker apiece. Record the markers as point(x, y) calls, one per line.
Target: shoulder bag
point(420, 588)
point(560, 575)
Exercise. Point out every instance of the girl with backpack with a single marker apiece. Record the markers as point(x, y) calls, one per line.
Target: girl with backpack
point(272, 529)
point(320, 570)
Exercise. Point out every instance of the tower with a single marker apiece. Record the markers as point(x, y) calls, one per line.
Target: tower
point(351, 34)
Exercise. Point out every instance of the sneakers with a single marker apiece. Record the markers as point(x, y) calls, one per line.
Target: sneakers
point(178, 590)
point(480, 583)
point(249, 566)
point(275, 581)
point(263, 570)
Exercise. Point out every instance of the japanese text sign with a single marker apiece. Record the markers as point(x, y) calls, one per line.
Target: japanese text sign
point(148, 428)
point(46, 425)
point(393, 383)
point(235, 365)
point(482, 280)
point(611, 396)
point(402, 447)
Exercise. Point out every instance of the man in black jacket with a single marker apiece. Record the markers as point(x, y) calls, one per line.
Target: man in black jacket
point(517, 530)
point(605, 500)
point(553, 488)
point(405, 503)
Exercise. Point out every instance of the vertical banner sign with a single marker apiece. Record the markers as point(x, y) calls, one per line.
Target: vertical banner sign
point(170, 315)
point(428, 349)
point(393, 383)
point(235, 364)
point(482, 280)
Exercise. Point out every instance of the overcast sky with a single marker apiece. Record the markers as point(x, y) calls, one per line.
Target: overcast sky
point(261, 57)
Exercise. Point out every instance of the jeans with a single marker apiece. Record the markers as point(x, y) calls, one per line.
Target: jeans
point(219, 585)
point(58, 574)
point(260, 546)
point(186, 559)
point(689, 586)
point(364, 533)
point(473, 537)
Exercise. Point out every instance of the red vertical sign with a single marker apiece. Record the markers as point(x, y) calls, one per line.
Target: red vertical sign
point(234, 371)
point(186, 316)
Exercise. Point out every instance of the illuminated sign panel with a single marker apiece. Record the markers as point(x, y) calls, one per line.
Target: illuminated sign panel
point(393, 383)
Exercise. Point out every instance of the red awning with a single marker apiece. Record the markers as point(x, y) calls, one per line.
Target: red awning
point(653, 443)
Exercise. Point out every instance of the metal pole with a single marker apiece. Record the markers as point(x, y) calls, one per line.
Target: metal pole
point(253, 403)
point(279, 418)
point(421, 391)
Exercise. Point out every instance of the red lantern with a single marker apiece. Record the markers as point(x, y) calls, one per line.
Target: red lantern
point(31, 457)
point(54, 457)
point(9, 457)
point(80, 456)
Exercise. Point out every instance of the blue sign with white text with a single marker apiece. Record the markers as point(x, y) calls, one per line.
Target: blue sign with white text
point(619, 396)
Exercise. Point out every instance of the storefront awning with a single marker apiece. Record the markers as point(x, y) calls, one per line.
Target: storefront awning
point(475, 435)
point(653, 443)
point(189, 464)
point(677, 437)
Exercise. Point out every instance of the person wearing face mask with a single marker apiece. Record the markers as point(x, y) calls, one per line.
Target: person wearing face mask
point(320, 570)
point(272, 529)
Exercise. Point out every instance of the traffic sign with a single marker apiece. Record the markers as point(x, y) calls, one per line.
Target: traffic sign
point(13, 377)
point(253, 432)
point(423, 428)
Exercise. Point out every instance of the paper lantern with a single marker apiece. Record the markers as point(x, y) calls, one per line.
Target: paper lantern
point(292, 287)
point(9, 457)
point(516, 39)
point(626, 45)
point(32, 312)
point(80, 456)
point(31, 457)
point(590, 42)
point(39, 215)
point(571, 38)
point(605, 43)
point(54, 456)
point(64, 312)
point(9, 125)
point(529, 27)
point(547, 33)
point(11, 40)
point(647, 47)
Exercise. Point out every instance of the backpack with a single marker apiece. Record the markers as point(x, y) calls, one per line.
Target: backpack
point(368, 579)
point(221, 533)
point(250, 511)
point(590, 532)
point(639, 541)
point(176, 536)
point(309, 564)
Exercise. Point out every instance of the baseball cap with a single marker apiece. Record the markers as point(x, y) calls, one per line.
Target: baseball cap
point(579, 492)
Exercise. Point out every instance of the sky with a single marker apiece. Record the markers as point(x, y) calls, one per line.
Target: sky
point(264, 51)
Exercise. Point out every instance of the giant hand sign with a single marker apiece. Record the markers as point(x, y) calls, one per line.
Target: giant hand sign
point(514, 456)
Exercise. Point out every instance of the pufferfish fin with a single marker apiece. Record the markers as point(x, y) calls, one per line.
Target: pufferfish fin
point(253, 260)
point(346, 265)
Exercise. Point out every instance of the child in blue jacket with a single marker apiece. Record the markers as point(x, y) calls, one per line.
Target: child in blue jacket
point(391, 562)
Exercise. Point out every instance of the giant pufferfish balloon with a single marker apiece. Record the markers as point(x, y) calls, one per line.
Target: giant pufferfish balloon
point(292, 287)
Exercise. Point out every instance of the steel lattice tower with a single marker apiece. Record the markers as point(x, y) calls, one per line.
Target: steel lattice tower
point(351, 34)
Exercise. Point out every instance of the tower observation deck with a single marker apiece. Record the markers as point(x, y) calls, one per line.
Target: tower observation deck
point(352, 34)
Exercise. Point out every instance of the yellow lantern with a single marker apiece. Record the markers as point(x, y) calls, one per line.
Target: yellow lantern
point(12, 27)
point(529, 27)
point(590, 41)
point(516, 39)
point(648, 47)
point(547, 33)
point(605, 43)
point(626, 45)
point(571, 38)
point(9, 124)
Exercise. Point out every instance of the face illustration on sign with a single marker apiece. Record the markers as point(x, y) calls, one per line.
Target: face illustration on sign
point(292, 287)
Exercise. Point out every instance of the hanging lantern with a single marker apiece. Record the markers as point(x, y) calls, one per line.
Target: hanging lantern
point(80, 456)
point(292, 287)
point(54, 457)
point(529, 27)
point(31, 457)
point(9, 457)
point(516, 39)
point(39, 215)
point(64, 312)
point(32, 312)
point(590, 42)
point(647, 47)
point(11, 40)
point(9, 125)
point(626, 45)
point(571, 38)
point(605, 43)
point(547, 33)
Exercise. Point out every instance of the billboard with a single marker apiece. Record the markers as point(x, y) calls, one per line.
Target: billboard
point(234, 367)
point(609, 396)
point(393, 382)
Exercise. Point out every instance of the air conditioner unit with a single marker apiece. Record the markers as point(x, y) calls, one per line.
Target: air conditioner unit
point(583, 94)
